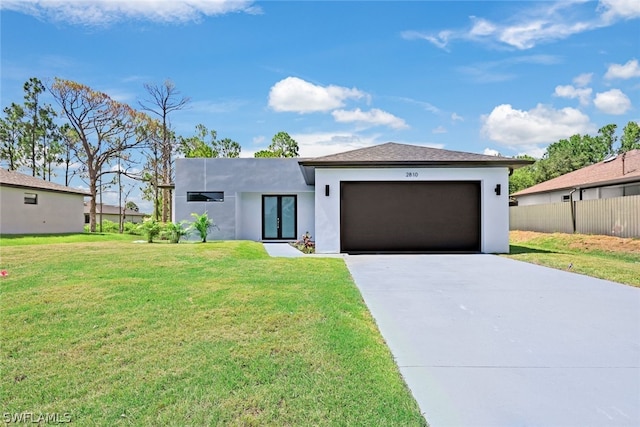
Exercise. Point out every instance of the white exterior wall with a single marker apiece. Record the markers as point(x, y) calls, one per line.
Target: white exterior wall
point(494, 209)
point(54, 213)
point(543, 198)
point(249, 214)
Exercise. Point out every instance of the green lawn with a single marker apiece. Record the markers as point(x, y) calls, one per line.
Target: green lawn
point(604, 257)
point(119, 333)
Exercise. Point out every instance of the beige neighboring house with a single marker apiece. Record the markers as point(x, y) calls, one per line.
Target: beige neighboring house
point(112, 213)
point(30, 205)
point(617, 176)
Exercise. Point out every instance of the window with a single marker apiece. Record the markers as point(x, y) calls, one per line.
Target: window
point(566, 198)
point(30, 199)
point(205, 196)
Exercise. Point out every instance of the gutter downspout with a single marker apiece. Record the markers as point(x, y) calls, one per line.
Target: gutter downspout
point(573, 210)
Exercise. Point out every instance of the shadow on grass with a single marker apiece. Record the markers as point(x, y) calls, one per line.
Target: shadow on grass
point(515, 250)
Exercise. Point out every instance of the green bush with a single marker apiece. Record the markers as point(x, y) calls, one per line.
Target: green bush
point(174, 231)
point(150, 228)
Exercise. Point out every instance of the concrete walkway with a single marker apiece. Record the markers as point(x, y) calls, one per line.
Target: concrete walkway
point(483, 340)
point(288, 251)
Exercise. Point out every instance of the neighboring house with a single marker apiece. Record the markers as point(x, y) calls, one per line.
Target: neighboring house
point(112, 213)
point(617, 176)
point(387, 198)
point(30, 205)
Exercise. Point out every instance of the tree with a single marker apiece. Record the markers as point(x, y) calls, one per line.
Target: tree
point(164, 99)
point(197, 146)
point(523, 177)
point(11, 130)
point(40, 131)
point(131, 205)
point(630, 139)
point(282, 145)
point(227, 148)
point(607, 138)
point(105, 129)
point(69, 139)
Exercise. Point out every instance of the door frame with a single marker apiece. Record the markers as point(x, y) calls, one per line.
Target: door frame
point(279, 215)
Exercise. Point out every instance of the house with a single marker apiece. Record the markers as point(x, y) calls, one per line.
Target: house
point(386, 198)
point(616, 176)
point(30, 205)
point(112, 213)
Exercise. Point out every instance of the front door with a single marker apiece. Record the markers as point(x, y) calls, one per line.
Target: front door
point(279, 217)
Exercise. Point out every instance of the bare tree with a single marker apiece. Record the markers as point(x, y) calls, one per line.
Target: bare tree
point(163, 100)
point(104, 127)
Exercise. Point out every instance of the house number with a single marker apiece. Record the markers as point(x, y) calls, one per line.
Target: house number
point(411, 175)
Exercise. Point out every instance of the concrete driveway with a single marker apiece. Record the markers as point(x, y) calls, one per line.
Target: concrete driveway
point(483, 340)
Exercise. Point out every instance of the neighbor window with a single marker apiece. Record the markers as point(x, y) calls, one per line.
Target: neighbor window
point(30, 199)
point(566, 198)
point(205, 196)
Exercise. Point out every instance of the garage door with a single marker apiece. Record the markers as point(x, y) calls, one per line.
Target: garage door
point(433, 216)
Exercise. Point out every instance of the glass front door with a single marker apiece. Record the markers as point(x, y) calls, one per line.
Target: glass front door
point(279, 217)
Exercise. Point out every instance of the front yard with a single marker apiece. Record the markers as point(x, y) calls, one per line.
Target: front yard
point(114, 332)
point(604, 257)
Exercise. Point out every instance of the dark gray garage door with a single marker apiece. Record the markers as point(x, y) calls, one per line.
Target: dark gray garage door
point(433, 216)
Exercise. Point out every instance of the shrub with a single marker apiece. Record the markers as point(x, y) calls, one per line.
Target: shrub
point(305, 244)
point(150, 228)
point(202, 225)
point(174, 231)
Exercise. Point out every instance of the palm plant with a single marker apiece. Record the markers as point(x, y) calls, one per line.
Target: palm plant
point(150, 228)
point(202, 224)
point(175, 231)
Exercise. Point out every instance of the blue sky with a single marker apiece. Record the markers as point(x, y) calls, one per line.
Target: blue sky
point(505, 76)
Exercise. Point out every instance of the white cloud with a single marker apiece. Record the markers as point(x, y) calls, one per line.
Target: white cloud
point(258, 139)
point(325, 143)
point(481, 27)
point(439, 129)
point(493, 71)
point(613, 101)
point(490, 152)
point(534, 24)
point(623, 71)
point(541, 125)
point(625, 9)
point(456, 118)
point(373, 117)
point(568, 91)
point(583, 79)
point(106, 12)
point(296, 95)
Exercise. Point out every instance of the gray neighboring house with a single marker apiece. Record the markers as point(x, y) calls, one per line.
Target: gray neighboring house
point(389, 198)
point(30, 205)
point(112, 213)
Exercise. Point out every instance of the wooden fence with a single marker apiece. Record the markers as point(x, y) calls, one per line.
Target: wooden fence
point(618, 216)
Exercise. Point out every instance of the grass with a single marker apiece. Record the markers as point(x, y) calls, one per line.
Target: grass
point(116, 333)
point(604, 257)
point(47, 239)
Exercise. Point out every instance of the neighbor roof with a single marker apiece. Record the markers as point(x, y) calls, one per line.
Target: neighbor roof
point(394, 154)
point(20, 180)
point(623, 168)
point(111, 210)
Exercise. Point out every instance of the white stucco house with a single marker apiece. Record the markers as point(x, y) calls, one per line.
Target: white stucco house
point(389, 198)
point(30, 205)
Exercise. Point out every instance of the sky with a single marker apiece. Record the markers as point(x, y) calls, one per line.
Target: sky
point(508, 77)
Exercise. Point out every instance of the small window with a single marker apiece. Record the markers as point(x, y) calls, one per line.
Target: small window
point(86, 219)
point(205, 196)
point(566, 198)
point(30, 199)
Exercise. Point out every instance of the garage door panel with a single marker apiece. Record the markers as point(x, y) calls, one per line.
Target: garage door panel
point(410, 216)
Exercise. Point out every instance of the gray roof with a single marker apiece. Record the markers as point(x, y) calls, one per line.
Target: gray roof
point(20, 180)
point(393, 154)
point(112, 210)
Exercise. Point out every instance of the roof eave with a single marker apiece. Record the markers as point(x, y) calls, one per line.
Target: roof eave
point(634, 178)
point(308, 167)
point(53, 190)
